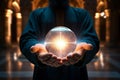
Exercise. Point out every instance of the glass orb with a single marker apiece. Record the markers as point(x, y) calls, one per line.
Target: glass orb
point(60, 41)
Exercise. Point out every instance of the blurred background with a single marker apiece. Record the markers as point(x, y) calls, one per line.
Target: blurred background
point(13, 18)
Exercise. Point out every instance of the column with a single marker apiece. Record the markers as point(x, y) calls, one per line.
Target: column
point(97, 23)
point(8, 21)
point(107, 13)
point(18, 25)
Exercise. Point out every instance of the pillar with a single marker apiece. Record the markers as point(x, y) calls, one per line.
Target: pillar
point(97, 23)
point(8, 22)
point(107, 38)
point(18, 25)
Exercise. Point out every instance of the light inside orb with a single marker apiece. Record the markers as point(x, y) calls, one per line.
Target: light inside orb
point(60, 41)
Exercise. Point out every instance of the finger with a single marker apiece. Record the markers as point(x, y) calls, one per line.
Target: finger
point(57, 63)
point(46, 61)
point(65, 60)
point(87, 46)
point(45, 57)
point(51, 60)
point(74, 58)
point(70, 60)
point(67, 63)
point(70, 55)
point(34, 49)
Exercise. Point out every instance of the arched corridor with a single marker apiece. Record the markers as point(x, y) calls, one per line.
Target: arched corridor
point(14, 15)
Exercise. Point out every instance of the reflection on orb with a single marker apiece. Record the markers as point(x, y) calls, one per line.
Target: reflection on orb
point(60, 41)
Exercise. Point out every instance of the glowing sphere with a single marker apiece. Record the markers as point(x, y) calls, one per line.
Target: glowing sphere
point(60, 41)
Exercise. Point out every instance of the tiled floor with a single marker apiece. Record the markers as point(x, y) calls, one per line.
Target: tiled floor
point(105, 66)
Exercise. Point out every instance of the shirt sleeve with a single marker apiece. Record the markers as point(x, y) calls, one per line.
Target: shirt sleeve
point(88, 34)
point(30, 37)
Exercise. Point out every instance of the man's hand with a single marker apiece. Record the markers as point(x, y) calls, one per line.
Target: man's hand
point(45, 57)
point(78, 54)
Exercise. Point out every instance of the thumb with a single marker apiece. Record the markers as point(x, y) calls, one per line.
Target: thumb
point(37, 48)
point(87, 46)
point(34, 49)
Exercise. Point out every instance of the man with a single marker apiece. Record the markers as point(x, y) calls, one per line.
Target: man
point(47, 65)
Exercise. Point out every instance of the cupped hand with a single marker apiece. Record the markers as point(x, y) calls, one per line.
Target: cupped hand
point(78, 53)
point(46, 57)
